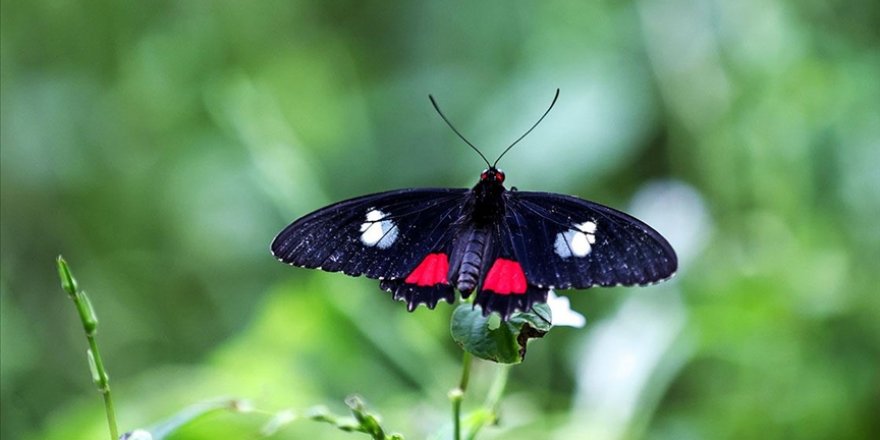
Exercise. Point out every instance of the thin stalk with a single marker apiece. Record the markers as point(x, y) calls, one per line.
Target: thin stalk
point(493, 399)
point(90, 326)
point(456, 416)
point(103, 384)
point(466, 361)
point(457, 394)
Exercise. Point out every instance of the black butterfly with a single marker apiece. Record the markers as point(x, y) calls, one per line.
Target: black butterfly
point(509, 246)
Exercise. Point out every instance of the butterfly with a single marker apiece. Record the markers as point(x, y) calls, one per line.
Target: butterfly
point(508, 247)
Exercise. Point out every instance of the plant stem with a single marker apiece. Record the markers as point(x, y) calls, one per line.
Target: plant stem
point(90, 326)
point(466, 361)
point(104, 387)
point(457, 394)
point(497, 389)
point(493, 399)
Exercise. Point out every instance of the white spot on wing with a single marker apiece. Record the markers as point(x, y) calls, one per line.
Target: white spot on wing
point(376, 231)
point(576, 242)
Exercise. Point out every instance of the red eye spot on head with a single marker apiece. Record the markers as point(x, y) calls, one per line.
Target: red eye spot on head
point(499, 176)
point(484, 175)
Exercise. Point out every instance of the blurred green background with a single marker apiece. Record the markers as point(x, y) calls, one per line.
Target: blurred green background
point(160, 146)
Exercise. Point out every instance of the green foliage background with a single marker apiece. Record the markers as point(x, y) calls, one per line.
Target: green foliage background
point(160, 145)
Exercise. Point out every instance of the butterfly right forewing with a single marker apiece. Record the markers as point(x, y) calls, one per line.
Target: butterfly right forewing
point(567, 242)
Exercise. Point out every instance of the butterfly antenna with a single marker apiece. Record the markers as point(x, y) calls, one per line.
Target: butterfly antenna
point(437, 107)
point(529, 130)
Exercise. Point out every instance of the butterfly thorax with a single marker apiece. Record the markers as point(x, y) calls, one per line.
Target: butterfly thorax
point(486, 207)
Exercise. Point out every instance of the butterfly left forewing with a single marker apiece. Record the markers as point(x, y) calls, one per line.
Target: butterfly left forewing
point(382, 236)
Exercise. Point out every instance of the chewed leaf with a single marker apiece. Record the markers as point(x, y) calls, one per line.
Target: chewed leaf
point(487, 337)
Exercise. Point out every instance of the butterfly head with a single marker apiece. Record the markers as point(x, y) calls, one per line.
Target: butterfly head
point(492, 175)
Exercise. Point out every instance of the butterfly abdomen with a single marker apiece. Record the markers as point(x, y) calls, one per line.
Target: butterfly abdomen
point(466, 275)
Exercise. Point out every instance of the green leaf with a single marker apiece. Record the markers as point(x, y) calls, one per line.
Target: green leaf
point(487, 337)
point(195, 412)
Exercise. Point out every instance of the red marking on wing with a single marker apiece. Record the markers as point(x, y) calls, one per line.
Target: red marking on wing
point(506, 277)
point(433, 270)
